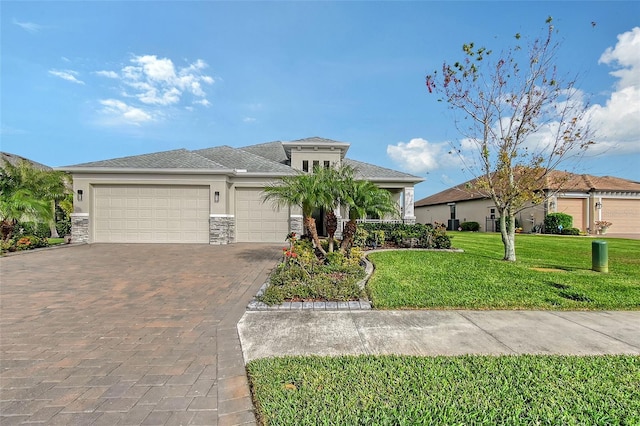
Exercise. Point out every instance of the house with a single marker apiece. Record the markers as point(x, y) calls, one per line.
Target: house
point(586, 198)
point(209, 195)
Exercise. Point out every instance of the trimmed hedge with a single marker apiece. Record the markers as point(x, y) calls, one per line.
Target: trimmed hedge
point(470, 226)
point(404, 235)
point(555, 222)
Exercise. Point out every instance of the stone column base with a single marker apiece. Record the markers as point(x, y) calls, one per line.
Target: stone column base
point(79, 227)
point(222, 229)
point(296, 225)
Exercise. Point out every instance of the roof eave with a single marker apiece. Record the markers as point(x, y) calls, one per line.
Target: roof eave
point(145, 170)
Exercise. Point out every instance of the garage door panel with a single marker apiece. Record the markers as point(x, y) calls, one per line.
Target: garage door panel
point(575, 207)
point(257, 221)
point(623, 214)
point(151, 213)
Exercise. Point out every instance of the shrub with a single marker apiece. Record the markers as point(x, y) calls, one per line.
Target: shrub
point(470, 226)
point(64, 227)
point(361, 237)
point(38, 229)
point(554, 222)
point(29, 242)
point(406, 235)
point(570, 231)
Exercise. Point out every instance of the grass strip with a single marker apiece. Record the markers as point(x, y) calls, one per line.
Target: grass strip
point(461, 390)
point(552, 272)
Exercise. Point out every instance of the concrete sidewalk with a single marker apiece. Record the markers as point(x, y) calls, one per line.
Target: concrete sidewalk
point(279, 333)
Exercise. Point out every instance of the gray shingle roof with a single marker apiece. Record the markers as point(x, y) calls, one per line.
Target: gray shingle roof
point(372, 172)
point(268, 158)
point(273, 151)
point(234, 158)
point(14, 160)
point(176, 159)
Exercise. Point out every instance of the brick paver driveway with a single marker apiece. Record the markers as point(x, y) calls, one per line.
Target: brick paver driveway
point(127, 334)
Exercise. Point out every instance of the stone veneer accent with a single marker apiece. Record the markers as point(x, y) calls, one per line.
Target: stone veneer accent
point(295, 224)
point(222, 229)
point(79, 227)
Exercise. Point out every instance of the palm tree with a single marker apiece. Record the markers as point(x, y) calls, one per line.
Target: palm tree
point(305, 190)
point(334, 181)
point(23, 193)
point(364, 198)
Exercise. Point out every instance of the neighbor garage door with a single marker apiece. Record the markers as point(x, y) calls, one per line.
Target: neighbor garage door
point(624, 214)
point(151, 214)
point(574, 207)
point(257, 221)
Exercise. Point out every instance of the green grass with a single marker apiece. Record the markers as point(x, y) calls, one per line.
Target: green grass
point(55, 241)
point(463, 390)
point(479, 279)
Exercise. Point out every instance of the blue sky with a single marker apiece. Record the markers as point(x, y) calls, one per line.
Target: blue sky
point(86, 81)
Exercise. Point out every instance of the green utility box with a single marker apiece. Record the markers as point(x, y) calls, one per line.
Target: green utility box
point(599, 256)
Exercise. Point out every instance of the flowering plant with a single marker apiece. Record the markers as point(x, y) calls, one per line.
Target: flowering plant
point(602, 225)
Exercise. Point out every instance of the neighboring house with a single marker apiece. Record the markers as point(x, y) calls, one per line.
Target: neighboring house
point(586, 198)
point(14, 159)
point(209, 195)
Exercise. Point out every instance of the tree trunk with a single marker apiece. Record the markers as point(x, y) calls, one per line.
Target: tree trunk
point(52, 224)
point(347, 235)
point(332, 226)
point(508, 234)
point(310, 224)
point(6, 229)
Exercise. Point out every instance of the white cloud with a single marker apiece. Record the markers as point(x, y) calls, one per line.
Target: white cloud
point(28, 26)
point(202, 102)
point(157, 81)
point(616, 124)
point(248, 120)
point(108, 74)
point(420, 156)
point(118, 112)
point(626, 54)
point(68, 75)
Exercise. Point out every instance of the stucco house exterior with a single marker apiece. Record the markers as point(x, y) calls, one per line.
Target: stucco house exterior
point(585, 197)
point(210, 196)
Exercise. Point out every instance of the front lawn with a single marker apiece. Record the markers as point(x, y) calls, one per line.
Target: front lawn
point(393, 390)
point(552, 272)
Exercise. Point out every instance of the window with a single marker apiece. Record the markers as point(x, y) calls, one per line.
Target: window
point(305, 165)
point(327, 164)
point(316, 163)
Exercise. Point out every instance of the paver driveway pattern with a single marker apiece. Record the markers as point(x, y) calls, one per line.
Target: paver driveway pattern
point(127, 334)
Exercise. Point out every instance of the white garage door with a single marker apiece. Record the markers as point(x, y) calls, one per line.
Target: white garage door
point(257, 221)
point(624, 214)
point(151, 214)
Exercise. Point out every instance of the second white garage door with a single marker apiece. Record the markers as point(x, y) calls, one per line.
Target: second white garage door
point(257, 221)
point(151, 214)
point(624, 214)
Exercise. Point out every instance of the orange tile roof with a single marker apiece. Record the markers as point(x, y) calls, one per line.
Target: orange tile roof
point(570, 182)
